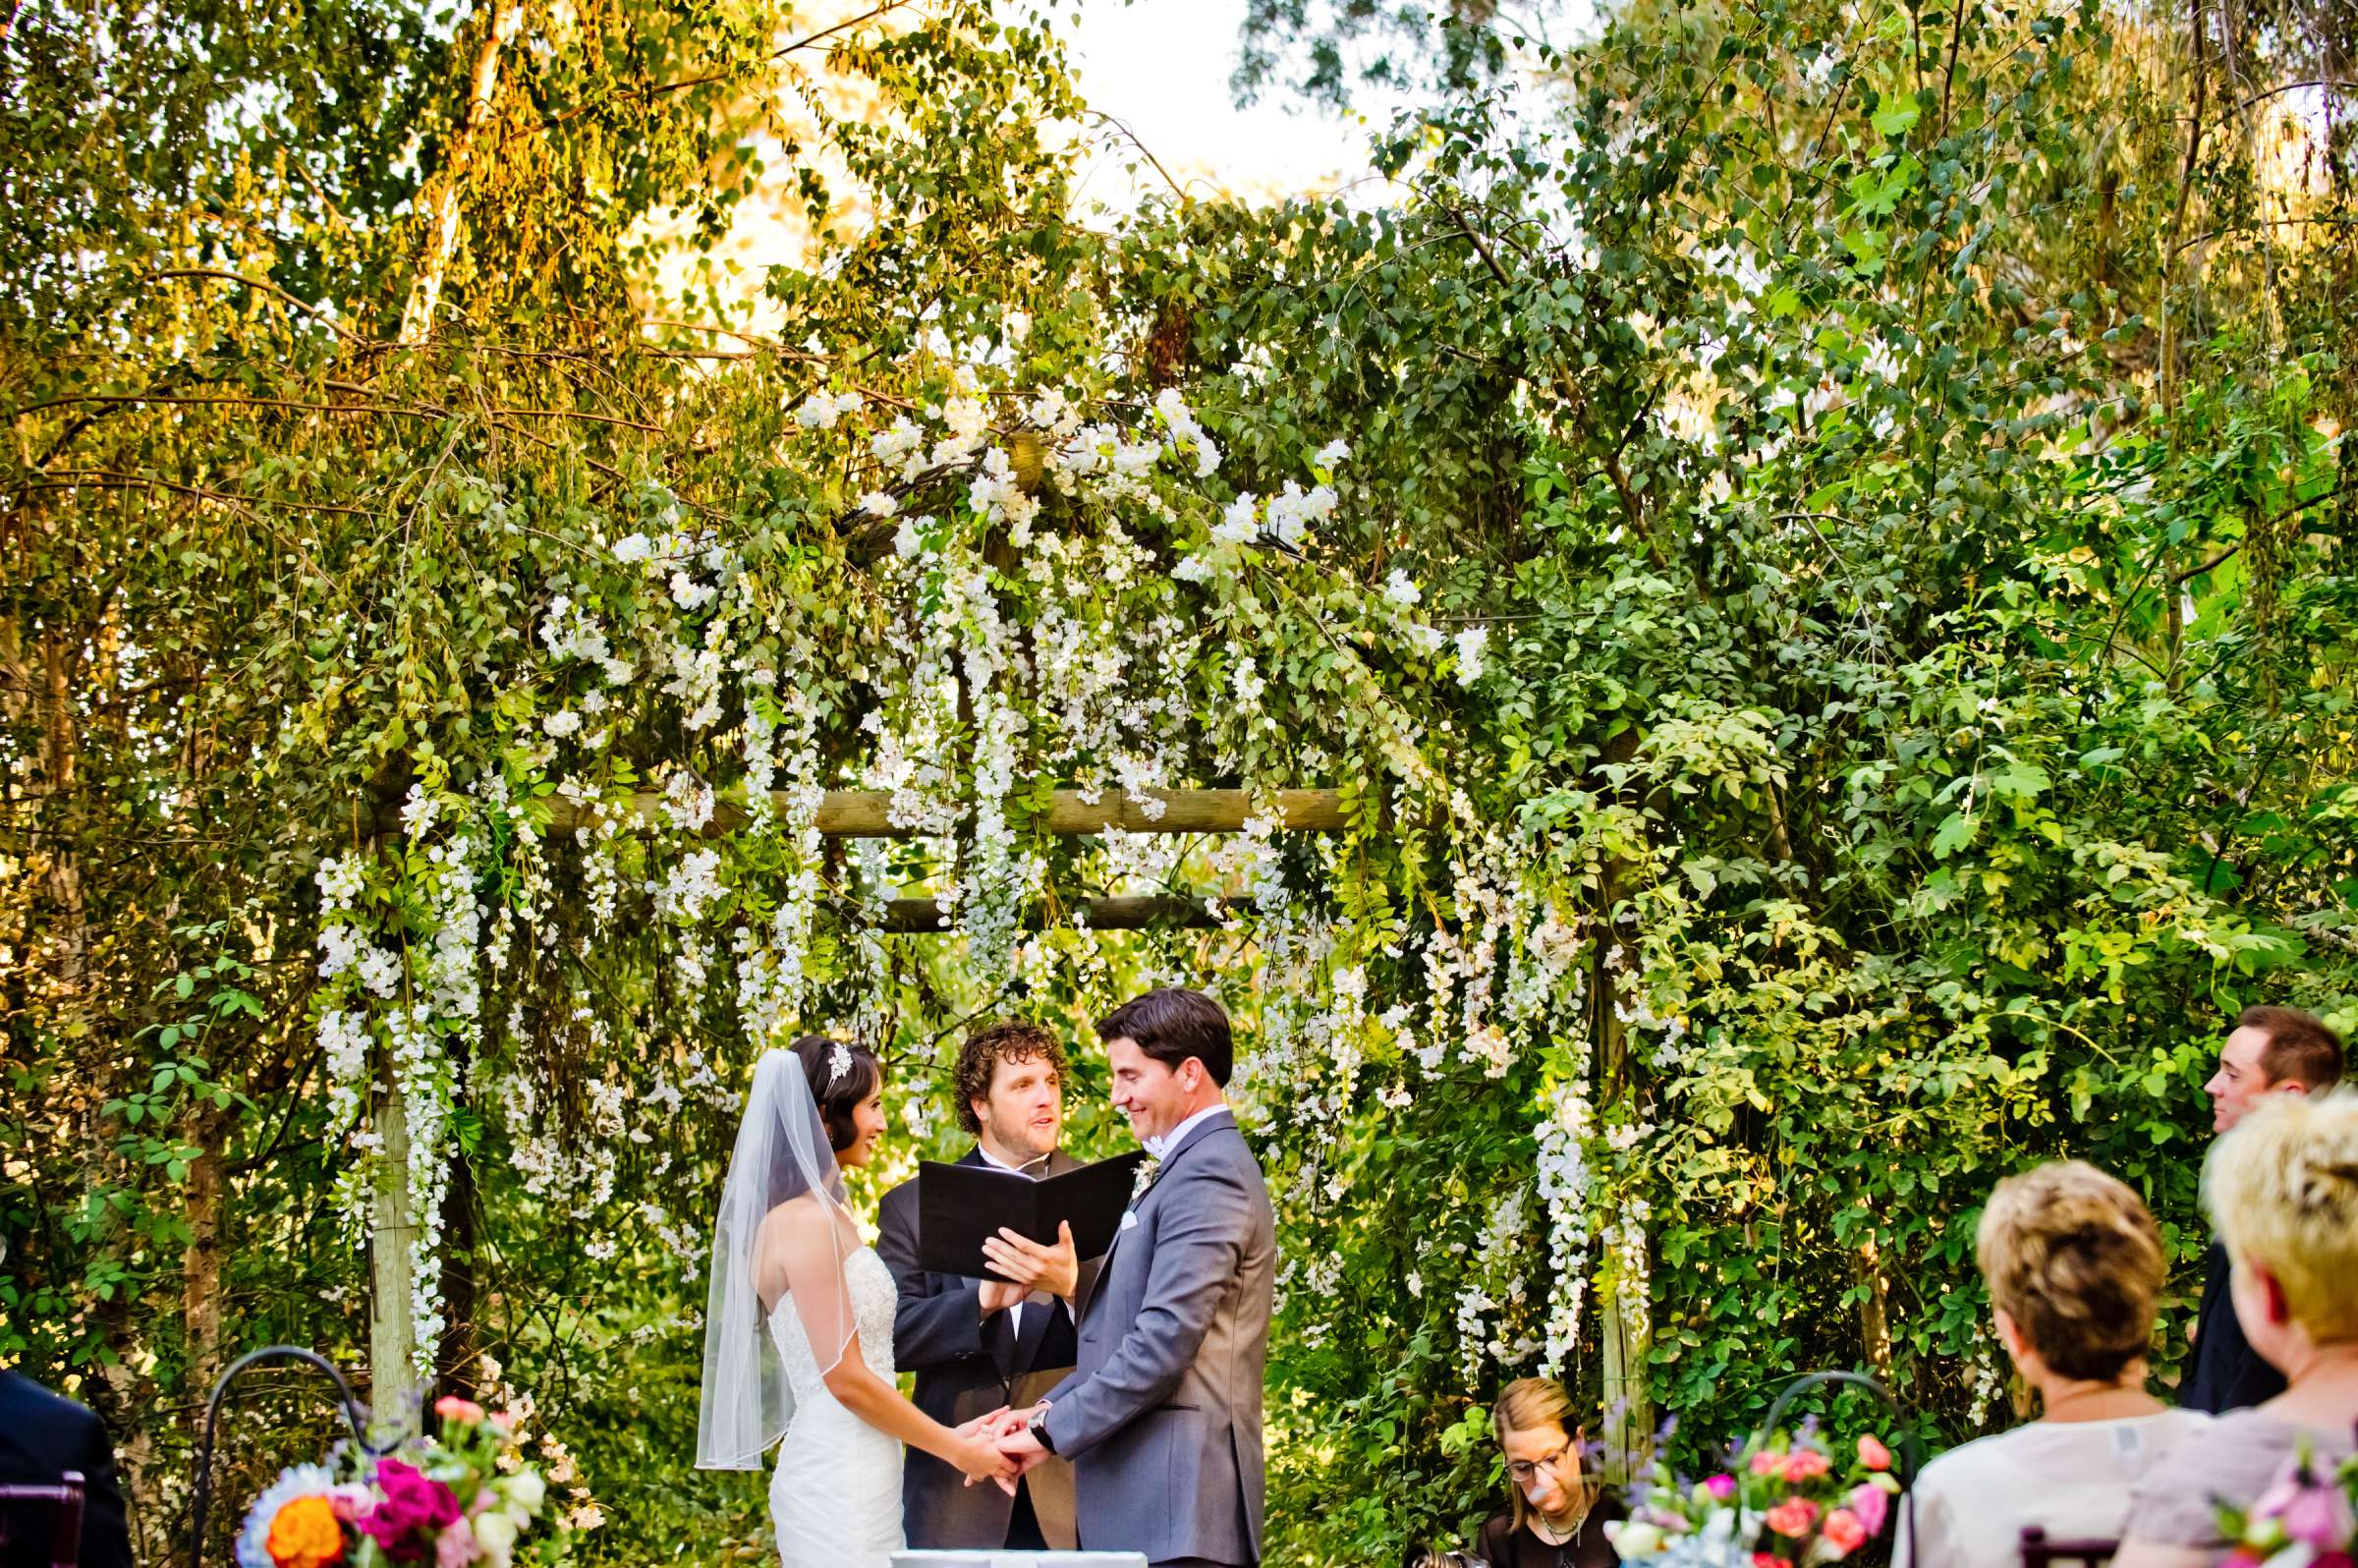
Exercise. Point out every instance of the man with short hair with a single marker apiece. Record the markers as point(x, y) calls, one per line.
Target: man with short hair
point(2273, 1050)
point(1162, 1417)
point(978, 1344)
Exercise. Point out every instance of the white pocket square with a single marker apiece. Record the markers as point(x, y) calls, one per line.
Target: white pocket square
point(1129, 1219)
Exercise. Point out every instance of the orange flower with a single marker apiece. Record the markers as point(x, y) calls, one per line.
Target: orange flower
point(1807, 1463)
point(304, 1534)
point(1845, 1531)
point(1873, 1454)
point(1793, 1517)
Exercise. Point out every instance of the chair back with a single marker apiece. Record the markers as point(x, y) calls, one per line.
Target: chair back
point(40, 1525)
point(2040, 1553)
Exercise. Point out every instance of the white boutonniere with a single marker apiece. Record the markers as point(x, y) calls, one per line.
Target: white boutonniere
point(1148, 1169)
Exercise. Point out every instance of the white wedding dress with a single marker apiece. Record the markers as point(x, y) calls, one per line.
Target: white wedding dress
point(835, 1497)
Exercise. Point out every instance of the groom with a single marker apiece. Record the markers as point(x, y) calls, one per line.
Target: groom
point(1161, 1417)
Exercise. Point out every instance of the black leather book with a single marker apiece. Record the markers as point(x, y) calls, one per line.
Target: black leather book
point(957, 1206)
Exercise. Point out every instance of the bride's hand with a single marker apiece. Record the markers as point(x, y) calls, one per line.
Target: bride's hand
point(985, 1428)
point(980, 1458)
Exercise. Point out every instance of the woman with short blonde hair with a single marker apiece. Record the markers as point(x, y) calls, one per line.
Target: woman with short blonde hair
point(2074, 1266)
point(2282, 1189)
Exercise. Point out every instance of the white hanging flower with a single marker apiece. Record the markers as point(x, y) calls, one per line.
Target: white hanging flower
point(876, 503)
point(1330, 455)
point(633, 548)
point(1472, 642)
point(1401, 590)
point(1240, 522)
point(563, 722)
point(821, 409)
point(690, 594)
point(1019, 325)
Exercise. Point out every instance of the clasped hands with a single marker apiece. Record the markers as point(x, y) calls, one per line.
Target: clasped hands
point(1025, 1266)
point(1010, 1431)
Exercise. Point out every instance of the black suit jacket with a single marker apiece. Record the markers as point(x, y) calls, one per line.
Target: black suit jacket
point(43, 1437)
point(2228, 1375)
point(966, 1368)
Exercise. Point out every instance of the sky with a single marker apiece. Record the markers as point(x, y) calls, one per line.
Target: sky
point(1162, 67)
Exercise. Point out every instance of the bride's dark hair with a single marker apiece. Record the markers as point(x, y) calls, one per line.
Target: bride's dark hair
point(837, 1096)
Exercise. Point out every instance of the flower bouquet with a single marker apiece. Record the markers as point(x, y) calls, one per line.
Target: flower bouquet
point(1781, 1502)
point(2309, 1519)
point(454, 1500)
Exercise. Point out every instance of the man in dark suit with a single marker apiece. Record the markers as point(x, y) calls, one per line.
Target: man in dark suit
point(979, 1344)
point(41, 1437)
point(2273, 1050)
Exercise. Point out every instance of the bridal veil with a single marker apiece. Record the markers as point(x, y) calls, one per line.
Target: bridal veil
point(782, 1229)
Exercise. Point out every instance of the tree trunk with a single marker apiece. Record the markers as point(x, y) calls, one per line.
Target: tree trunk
point(201, 1275)
point(1628, 1407)
point(1874, 1323)
point(455, 1358)
point(442, 208)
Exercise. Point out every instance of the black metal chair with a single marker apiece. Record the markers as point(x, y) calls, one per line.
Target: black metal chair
point(356, 1417)
point(40, 1525)
point(2040, 1553)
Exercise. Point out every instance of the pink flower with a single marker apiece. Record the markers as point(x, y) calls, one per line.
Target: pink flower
point(1873, 1454)
point(2319, 1517)
point(1807, 1463)
point(455, 1547)
point(1844, 1532)
point(1722, 1487)
point(450, 1407)
point(1871, 1507)
point(1766, 1462)
point(1762, 1559)
point(1793, 1517)
point(411, 1510)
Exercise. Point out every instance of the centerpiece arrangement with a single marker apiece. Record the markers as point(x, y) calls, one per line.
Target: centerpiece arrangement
point(1784, 1501)
point(462, 1498)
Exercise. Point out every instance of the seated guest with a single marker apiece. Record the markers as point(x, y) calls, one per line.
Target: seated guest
point(2074, 1265)
point(2282, 1190)
point(1555, 1512)
point(43, 1435)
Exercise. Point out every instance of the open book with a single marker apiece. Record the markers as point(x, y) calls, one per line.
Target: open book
point(957, 1206)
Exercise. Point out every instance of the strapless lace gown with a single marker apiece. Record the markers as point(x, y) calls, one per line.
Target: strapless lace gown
point(835, 1497)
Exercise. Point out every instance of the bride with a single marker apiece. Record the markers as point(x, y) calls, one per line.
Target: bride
point(798, 1334)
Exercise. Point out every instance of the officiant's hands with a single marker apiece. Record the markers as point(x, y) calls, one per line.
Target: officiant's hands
point(998, 1295)
point(1031, 1266)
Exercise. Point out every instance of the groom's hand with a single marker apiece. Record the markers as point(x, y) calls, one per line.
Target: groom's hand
point(1015, 1256)
point(1023, 1448)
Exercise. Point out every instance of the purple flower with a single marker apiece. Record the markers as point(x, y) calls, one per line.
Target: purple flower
point(411, 1511)
point(1871, 1505)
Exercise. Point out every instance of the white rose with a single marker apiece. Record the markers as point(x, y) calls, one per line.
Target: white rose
point(526, 1490)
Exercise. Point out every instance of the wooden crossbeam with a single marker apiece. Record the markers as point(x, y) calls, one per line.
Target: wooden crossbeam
point(866, 813)
point(919, 916)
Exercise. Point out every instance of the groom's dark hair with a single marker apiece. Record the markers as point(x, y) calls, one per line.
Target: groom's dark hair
point(1174, 1023)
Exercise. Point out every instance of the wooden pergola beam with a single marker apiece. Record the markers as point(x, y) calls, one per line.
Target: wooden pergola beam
point(866, 813)
point(917, 916)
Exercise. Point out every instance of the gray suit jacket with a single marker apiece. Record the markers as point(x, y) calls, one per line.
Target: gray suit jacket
point(1161, 1415)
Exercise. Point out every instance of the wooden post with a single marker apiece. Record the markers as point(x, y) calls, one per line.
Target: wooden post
point(392, 1307)
point(1628, 1411)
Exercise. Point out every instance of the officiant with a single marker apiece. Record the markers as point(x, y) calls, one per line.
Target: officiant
point(976, 1344)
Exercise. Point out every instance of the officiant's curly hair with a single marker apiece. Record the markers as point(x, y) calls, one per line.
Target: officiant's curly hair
point(1010, 1040)
point(838, 1096)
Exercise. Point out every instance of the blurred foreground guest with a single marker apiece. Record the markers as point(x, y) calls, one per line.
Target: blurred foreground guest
point(1556, 1511)
point(2282, 1190)
point(2273, 1051)
point(2073, 1262)
point(43, 1435)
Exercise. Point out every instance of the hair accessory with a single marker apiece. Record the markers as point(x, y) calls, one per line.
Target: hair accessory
point(839, 1062)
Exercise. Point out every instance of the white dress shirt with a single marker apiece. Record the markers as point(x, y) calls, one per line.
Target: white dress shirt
point(1158, 1146)
point(1015, 1313)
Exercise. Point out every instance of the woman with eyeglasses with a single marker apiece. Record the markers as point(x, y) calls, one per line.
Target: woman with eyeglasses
point(1556, 1511)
